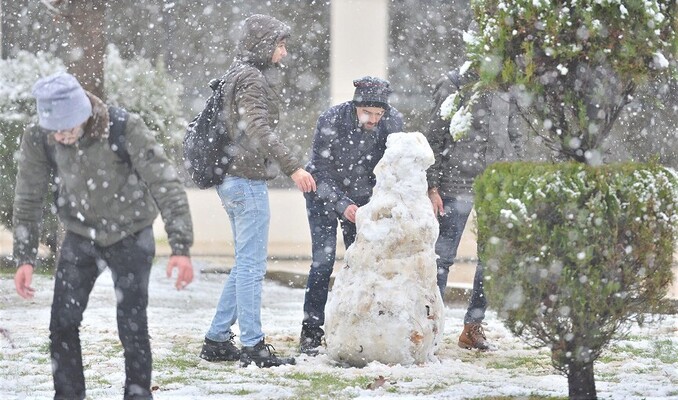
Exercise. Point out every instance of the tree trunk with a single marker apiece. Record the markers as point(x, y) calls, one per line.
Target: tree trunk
point(169, 26)
point(87, 43)
point(11, 26)
point(581, 382)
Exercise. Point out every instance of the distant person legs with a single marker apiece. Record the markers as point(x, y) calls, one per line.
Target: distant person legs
point(323, 224)
point(451, 225)
point(473, 335)
point(475, 313)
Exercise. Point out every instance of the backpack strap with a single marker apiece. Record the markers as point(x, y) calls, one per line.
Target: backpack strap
point(49, 152)
point(454, 77)
point(116, 137)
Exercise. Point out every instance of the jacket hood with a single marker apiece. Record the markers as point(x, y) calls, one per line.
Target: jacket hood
point(259, 38)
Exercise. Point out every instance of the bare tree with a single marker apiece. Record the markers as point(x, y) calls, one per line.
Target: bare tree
point(86, 40)
point(11, 14)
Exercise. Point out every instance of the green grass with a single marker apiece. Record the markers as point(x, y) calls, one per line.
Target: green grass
point(621, 352)
point(325, 385)
point(530, 397)
point(242, 392)
point(181, 366)
point(666, 351)
point(44, 348)
point(175, 363)
point(529, 362)
point(107, 349)
point(99, 381)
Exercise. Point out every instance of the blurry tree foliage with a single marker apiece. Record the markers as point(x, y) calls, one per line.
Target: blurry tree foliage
point(574, 66)
point(195, 40)
point(576, 251)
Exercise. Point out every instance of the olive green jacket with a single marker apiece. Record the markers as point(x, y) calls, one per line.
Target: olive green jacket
point(100, 196)
point(251, 102)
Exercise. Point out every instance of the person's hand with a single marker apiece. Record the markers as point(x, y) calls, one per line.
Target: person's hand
point(350, 211)
point(303, 180)
point(436, 202)
point(185, 267)
point(22, 281)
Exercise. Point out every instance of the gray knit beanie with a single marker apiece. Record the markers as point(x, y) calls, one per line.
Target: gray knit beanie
point(371, 92)
point(62, 103)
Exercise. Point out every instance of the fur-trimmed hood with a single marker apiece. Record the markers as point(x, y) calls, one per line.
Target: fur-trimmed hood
point(98, 125)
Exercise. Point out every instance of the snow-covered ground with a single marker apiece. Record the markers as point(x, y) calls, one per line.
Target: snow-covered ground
point(636, 368)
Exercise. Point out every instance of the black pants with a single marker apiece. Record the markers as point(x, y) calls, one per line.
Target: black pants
point(323, 221)
point(80, 263)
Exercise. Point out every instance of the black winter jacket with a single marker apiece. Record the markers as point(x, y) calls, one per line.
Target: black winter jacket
point(344, 155)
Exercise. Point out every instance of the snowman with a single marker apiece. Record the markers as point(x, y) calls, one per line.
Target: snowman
point(385, 305)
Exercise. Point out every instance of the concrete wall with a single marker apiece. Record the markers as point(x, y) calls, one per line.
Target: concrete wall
point(359, 44)
point(289, 235)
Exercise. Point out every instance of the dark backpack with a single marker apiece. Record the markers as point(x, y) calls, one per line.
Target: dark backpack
point(206, 143)
point(116, 136)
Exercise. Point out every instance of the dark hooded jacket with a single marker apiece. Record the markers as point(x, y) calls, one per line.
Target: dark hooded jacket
point(100, 196)
point(344, 155)
point(251, 100)
point(493, 136)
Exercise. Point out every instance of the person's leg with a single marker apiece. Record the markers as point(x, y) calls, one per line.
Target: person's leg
point(219, 344)
point(227, 311)
point(130, 262)
point(475, 314)
point(246, 202)
point(323, 226)
point(76, 272)
point(231, 193)
point(473, 336)
point(451, 226)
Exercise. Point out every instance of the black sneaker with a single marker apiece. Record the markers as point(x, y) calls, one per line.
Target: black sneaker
point(263, 356)
point(311, 340)
point(220, 351)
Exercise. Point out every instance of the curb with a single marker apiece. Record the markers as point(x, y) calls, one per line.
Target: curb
point(456, 296)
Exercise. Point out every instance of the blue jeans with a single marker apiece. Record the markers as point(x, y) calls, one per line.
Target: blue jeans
point(457, 211)
point(246, 202)
point(323, 221)
point(80, 263)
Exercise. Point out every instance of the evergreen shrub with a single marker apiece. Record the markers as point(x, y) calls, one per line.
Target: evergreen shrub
point(573, 252)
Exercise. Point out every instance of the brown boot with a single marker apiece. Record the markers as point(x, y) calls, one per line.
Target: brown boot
point(473, 337)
